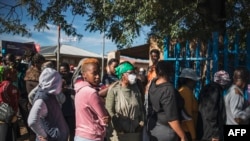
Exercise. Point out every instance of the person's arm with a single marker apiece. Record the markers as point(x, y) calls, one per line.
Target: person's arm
point(105, 87)
point(175, 125)
point(103, 91)
point(247, 110)
point(194, 109)
point(141, 105)
point(190, 108)
point(98, 106)
point(169, 103)
point(32, 94)
point(190, 123)
point(110, 102)
point(61, 98)
point(37, 112)
point(237, 108)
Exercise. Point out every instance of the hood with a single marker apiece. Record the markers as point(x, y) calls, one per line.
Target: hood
point(80, 83)
point(50, 81)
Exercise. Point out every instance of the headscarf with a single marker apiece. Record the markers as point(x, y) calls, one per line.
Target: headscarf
point(50, 81)
point(222, 77)
point(122, 68)
point(77, 72)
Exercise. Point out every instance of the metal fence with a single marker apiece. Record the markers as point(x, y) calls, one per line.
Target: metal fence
point(208, 57)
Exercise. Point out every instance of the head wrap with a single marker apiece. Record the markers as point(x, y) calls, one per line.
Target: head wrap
point(77, 72)
point(122, 68)
point(222, 77)
point(50, 81)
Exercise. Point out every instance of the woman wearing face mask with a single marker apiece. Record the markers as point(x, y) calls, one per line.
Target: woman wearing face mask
point(125, 106)
point(45, 117)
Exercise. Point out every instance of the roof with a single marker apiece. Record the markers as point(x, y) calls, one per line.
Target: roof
point(138, 52)
point(68, 50)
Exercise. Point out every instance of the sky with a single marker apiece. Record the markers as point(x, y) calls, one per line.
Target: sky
point(92, 42)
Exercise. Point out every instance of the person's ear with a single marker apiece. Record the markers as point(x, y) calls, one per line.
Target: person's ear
point(83, 75)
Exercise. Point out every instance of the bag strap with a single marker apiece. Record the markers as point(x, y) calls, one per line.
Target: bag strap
point(5, 88)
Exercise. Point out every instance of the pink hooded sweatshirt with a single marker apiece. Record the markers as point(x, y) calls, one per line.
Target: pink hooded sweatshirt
point(89, 112)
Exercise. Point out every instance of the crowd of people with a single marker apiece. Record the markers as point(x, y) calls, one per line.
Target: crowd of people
point(126, 104)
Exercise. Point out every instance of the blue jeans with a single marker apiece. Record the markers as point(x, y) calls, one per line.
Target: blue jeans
point(77, 138)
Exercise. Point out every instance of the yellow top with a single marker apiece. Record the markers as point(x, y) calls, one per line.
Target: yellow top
point(191, 107)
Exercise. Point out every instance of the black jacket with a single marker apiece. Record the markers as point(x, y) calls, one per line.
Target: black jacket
point(211, 117)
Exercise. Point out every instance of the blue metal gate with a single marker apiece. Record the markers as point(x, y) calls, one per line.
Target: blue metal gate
point(227, 56)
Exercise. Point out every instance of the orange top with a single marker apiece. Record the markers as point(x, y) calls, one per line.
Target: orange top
point(151, 73)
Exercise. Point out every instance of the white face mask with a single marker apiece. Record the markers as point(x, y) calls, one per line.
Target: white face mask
point(132, 79)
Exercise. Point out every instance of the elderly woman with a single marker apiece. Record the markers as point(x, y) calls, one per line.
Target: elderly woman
point(46, 118)
point(124, 104)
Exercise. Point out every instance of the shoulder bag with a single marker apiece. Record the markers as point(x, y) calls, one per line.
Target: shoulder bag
point(6, 111)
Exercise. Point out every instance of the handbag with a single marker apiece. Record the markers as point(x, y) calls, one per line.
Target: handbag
point(6, 112)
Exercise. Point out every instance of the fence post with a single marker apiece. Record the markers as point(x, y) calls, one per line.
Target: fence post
point(215, 36)
point(187, 55)
point(208, 71)
point(236, 50)
point(225, 53)
point(177, 51)
point(165, 47)
point(198, 70)
point(248, 51)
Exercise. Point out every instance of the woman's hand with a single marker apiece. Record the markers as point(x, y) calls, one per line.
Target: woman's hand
point(184, 138)
point(215, 139)
point(14, 119)
point(40, 138)
point(141, 123)
point(106, 119)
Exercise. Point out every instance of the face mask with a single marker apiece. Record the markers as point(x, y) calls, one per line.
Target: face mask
point(131, 79)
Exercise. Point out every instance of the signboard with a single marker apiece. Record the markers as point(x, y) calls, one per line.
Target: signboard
point(16, 48)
